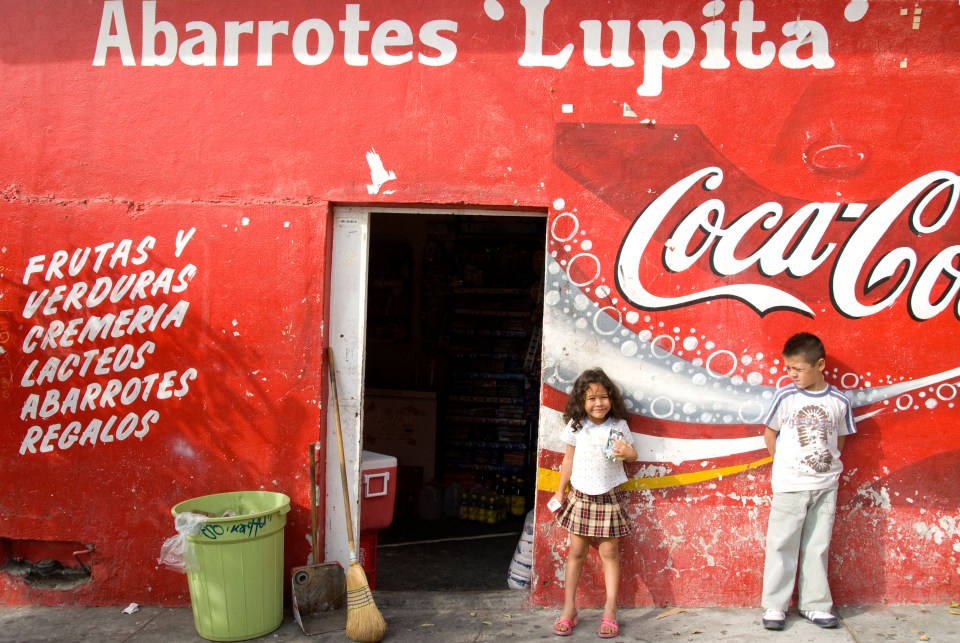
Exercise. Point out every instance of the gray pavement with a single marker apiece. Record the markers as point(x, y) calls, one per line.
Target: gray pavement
point(463, 617)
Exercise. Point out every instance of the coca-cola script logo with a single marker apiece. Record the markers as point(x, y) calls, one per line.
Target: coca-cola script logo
point(793, 245)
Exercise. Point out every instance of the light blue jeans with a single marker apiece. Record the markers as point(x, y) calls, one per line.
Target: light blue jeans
point(799, 531)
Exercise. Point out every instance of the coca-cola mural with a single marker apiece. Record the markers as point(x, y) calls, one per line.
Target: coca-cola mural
point(682, 276)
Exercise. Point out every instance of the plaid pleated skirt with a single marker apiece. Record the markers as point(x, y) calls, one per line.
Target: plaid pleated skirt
point(602, 516)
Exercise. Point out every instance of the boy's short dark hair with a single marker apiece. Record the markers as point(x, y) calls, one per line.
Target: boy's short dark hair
point(805, 345)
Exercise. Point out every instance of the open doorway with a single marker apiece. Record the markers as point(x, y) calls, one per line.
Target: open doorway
point(451, 389)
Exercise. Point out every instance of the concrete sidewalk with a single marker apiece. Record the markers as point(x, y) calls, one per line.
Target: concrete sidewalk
point(468, 617)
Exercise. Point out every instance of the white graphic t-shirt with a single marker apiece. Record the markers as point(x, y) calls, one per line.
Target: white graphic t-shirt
point(807, 457)
point(593, 472)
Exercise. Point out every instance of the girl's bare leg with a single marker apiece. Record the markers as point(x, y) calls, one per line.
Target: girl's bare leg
point(609, 549)
point(579, 546)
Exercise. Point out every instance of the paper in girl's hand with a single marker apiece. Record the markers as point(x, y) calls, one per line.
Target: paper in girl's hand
point(553, 505)
point(615, 437)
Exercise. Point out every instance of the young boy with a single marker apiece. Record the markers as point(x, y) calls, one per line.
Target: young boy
point(806, 426)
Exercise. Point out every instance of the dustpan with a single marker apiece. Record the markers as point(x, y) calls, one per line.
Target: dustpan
point(318, 591)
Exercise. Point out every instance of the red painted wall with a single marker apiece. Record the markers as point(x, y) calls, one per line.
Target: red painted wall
point(240, 160)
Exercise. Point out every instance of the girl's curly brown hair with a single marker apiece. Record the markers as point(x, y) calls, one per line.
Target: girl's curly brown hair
point(575, 411)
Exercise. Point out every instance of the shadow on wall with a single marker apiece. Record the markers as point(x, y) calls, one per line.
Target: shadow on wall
point(858, 550)
point(651, 563)
point(903, 520)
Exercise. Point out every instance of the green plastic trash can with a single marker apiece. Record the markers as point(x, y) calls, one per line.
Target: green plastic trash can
point(236, 590)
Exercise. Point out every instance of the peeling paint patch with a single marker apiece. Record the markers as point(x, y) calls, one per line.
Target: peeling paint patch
point(652, 471)
point(755, 500)
point(879, 499)
point(378, 173)
point(946, 526)
point(705, 550)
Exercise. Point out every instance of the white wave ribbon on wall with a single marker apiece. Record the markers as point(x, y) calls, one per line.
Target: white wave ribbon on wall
point(659, 384)
point(652, 448)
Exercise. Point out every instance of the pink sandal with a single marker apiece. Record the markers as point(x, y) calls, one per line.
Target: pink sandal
point(610, 624)
point(567, 623)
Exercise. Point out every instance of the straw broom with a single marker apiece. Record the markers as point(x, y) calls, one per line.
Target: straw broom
point(365, 623)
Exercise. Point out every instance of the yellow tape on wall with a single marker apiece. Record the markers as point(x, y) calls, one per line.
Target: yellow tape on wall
point(547, 479)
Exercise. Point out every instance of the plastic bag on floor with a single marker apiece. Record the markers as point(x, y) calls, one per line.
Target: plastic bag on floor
point(177, 552)
point(518, 574)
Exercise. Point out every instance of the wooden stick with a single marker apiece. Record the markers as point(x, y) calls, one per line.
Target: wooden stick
point(313, 504)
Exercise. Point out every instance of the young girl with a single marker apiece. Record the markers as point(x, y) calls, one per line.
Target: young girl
point(598, 442)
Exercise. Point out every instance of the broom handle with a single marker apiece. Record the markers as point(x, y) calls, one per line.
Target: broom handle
point(343, 464)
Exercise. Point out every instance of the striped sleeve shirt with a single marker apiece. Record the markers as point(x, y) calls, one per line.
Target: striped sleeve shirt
point(808, 424)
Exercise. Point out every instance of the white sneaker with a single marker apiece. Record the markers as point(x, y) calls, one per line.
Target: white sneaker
point(823, 619)
point(774, 619)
